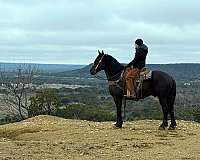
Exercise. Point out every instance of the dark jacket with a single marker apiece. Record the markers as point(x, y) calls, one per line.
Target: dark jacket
point(140, 57)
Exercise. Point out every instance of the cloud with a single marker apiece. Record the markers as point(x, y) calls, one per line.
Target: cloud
point(67, 31)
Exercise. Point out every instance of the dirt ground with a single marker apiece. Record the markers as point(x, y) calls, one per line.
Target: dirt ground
point(47, 137)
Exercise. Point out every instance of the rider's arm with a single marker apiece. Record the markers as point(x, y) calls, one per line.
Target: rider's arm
point(136, 58)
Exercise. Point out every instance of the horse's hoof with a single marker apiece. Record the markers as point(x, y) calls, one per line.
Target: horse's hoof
point(117, 126)
point(172, 127)
point(162, 127)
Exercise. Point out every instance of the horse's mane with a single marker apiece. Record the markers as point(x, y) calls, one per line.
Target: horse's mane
point(111, 60)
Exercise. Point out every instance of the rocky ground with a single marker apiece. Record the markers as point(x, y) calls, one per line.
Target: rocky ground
point(47, 137)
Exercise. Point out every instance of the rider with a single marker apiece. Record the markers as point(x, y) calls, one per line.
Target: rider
point(134, 67)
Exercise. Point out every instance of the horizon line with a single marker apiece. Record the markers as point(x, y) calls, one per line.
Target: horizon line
point(89, 63)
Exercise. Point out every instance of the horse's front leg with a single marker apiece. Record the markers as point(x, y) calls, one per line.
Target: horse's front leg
point(118, 103)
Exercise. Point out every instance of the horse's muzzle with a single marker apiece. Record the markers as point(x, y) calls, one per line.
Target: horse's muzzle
point(92, 71)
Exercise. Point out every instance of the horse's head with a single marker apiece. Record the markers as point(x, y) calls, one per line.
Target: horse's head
point(99, 63)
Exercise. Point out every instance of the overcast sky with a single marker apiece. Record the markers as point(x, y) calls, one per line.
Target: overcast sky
point(71, 31)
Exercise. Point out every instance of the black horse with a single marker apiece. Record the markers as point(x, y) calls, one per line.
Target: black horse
point(160, 84)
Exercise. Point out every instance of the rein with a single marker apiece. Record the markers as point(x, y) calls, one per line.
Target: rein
point(102, 78)
point(111, 82)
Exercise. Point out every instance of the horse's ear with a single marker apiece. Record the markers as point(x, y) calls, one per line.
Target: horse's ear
point(102, 52)
point(99, 52)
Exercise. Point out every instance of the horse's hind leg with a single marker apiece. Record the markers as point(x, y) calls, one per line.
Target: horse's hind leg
point(173, 122)
point(163, 103)
point(171, 111)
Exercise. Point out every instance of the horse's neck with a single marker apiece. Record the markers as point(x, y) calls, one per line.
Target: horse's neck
point(113, 69)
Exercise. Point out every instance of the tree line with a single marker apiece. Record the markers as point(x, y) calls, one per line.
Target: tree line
point(23, 100)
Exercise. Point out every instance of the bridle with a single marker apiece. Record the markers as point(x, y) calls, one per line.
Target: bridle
point(102, 78)
point(99, 63)
point(110, 81)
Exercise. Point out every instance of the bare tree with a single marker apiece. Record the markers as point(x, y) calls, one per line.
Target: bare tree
point(17, 88)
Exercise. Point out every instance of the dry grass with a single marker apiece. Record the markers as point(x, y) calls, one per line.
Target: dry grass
point(46, 137)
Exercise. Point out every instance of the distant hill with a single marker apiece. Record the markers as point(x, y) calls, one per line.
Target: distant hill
point(50, 68)
point(179, 71)
point(182, 71)
point(82, 72)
